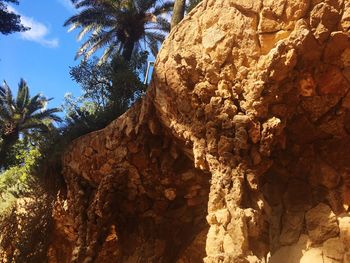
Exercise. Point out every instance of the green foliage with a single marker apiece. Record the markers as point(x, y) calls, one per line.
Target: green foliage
point(109, 86)
point(118, 82)
point(9, 21)
point(82, 118)
point(94, 82)
point(25, 208)
point(120, 26)
point(16, 181)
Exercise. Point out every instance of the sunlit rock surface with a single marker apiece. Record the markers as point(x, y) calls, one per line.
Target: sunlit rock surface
point(239, 152)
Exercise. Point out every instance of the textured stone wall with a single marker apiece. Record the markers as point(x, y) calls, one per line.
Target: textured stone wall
point(239, 152)
point(132, 196)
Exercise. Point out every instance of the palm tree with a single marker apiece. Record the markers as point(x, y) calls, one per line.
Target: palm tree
point(121, 26)
point(23, 115)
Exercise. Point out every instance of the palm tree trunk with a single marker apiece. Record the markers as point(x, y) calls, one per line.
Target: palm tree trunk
point(128, 49)
point(7, 143)
point(178, 13)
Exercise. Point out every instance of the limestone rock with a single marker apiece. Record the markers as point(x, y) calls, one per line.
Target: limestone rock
point(312, 255)
point(292, 224)
point(333, 250)
point(321, 223)
point(330, 177)
point(291, 254)
point(344, 226)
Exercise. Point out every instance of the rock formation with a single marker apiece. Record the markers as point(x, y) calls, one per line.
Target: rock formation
point(239, 152)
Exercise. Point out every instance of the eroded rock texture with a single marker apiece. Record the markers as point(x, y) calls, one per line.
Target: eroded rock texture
point(239, 152)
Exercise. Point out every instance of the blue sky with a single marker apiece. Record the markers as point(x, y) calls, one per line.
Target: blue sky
point(43, 55)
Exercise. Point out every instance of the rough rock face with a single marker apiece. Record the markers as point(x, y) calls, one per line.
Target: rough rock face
point(239, 152)
point(24, 230)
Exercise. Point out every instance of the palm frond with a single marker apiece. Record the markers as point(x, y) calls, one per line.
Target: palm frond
point(153, 40)
point(117, 22)
point(163, 24)
point(6, 97)
point(84, 31)
point(38, 126)
point(22, 95)
point(87, 16)
point(79, 3)
point(111, 49)
point(164, 8)
point(48, 114)
point(93, 43)
point(144, 5)
point(155, 36)
point(36, 103)
point(5, 114)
